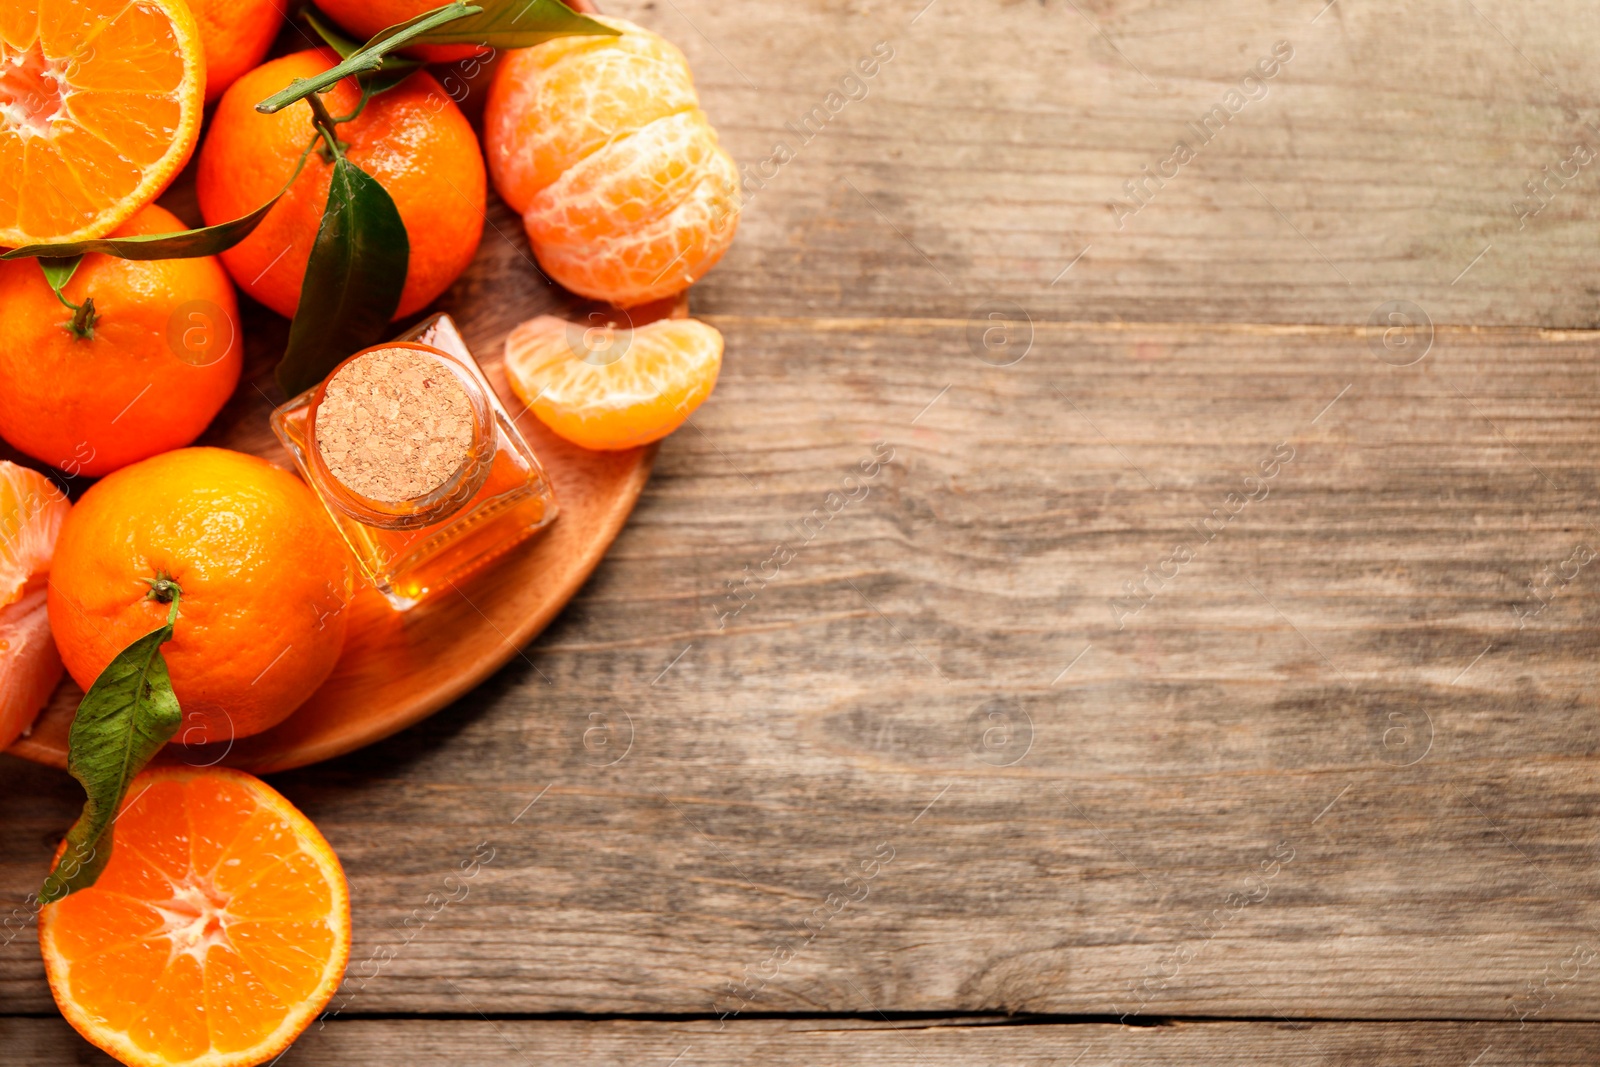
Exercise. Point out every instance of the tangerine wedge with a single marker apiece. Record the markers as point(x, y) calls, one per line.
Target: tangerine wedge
point(31, 512)
point(100, 105)
point(605, 388)
point(216, 933)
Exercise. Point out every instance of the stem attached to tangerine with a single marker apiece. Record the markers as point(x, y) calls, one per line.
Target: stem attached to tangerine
point(332, 148)
point(84, 316)
point(164, 590)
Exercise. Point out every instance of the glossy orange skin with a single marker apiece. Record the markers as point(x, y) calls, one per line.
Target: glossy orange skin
point(413, 139)
point(364, 18)
point(265, 581)
point(236, 35)
point(134, 389)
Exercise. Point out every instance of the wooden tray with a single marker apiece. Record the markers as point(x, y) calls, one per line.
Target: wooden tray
point(399, 668)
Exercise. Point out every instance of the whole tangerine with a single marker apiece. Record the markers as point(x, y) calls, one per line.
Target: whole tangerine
point(261, 577)
point(236, 35)
point(600, 144)
point(144, 371)
point(413, 139)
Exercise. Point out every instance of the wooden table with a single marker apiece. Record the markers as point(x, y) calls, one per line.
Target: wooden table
point(1183, 648)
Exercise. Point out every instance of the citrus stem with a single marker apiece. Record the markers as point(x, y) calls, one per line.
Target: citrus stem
point(164, 590)
point(327, 126)
point(84, 316)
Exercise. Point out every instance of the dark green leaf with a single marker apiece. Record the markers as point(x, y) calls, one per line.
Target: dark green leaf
point(345, 46)
point(395, 69)
point(353, 280)
point(516, 24)
point(370, 57)
point(125, 717)
point(185, 244)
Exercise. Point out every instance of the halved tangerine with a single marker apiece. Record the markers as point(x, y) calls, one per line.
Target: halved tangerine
point(606, 388)
point(216, 933)
point(100, 105)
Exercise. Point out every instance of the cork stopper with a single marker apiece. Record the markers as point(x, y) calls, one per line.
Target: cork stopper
point(394, 425)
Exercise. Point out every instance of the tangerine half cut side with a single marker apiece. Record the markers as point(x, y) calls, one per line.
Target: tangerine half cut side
point(100, 106)
point(216, 933)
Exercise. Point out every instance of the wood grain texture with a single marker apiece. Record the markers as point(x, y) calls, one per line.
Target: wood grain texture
point(1131, 746)
point(929, 1042)
point(1382, 161)
point(1322, 773)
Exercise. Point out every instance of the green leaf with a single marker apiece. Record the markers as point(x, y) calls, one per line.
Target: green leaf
point(58, 272)
point(345, 46)
point(370, 56)
point(185, 244)
point(516, 24)
point(125, 717)
point(353, 280)
point(395, 69)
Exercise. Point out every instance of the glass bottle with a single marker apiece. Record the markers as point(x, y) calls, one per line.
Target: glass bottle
point(497, 498)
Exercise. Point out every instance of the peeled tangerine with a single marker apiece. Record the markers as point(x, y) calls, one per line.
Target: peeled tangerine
point(600, 144)
point(612, 389)
point(31, 511)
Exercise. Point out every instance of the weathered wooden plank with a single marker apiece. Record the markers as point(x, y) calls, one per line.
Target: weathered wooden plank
point(1327, 770)
point(930, 1043)
point(1383, 160)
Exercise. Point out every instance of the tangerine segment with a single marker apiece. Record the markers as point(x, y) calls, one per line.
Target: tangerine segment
point(31, 512)
point(635, 265)
point(620, 390)
point(30, 666)
point(216, 933)
point(552, 105)
point(32, 509)
point(100, 106)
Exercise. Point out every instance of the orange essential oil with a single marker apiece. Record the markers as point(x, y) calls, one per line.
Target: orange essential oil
point(417, 463)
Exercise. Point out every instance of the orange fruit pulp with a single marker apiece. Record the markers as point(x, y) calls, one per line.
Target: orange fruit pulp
point(600, 144)
point(413, 139)
point(265, 581)
point(161, 359)
point(218, 930)
point(604, 388)
point(100, 105)
point(32, 509)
